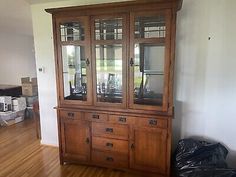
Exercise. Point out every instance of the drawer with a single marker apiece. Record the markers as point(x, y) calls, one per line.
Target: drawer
point(96, 117)
point(110, 130)
point(121, 119)
point(152, 122)
point(70, 115)
point(108, 144)
point(110, 159)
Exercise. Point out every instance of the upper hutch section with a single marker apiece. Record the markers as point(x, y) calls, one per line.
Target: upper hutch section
point(117, 7)
point(116, 55)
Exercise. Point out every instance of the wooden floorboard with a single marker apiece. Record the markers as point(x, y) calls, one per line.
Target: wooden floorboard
point(21, 155)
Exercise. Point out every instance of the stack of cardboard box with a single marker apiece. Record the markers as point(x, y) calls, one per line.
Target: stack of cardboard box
point(12, 109)
point(29, 87)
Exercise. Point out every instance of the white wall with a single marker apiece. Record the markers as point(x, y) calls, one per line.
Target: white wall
point(16, 42)
point(16, 58)
point(205, 72)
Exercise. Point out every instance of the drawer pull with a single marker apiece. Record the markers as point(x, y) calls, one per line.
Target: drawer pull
point(70, 114)
point(152, 122)
point(87, 140)
point(95, 116)
point(109, 145)
point(132, 146)
point(110, 130)
point(122, 119)
point(110, 159)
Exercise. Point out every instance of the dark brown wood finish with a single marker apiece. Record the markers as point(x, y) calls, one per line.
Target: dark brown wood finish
point(148, 146)
point(110, 159)
point(75, 139)
point(108, 144)
point(123, 135)
point(110, 130)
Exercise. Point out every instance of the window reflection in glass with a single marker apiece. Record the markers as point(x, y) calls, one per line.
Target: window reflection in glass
point(109, 73)
point(148, 74)
point(74, 72)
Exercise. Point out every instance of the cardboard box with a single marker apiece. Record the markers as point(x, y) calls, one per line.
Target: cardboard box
point(29, 87)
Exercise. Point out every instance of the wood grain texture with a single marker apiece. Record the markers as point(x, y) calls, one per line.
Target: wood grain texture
point(21, 155)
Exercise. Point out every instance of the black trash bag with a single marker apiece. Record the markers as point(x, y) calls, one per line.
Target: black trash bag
point(206, 172)
point(195, 158)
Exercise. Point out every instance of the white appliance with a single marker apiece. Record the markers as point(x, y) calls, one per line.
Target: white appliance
point(5, 103)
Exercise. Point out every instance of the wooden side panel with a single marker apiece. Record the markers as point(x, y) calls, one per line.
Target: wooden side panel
point(149, 150)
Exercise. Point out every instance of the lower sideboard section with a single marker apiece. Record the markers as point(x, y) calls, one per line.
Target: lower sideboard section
point(120, 141)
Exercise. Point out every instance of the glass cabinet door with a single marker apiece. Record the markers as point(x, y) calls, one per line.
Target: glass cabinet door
point(75, 61)
point(149, 61)
point(109, 55)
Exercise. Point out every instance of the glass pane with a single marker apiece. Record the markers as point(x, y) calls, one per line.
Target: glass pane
point(74, 72)
point(109, 73)
point(73, 31)
point(150, 27)
point(108, 29)
point(149, 74)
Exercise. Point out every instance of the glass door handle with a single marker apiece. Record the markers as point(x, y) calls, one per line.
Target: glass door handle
point(87, 62)
point(131, 62)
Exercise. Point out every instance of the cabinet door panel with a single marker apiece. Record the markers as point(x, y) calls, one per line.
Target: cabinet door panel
point(109, 53)
point(76, 139)
point(149, 60)
point(74, 60)
point(149, 150)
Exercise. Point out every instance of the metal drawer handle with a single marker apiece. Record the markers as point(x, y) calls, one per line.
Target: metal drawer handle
point(110, 130)
point(110, 159)
point(109, 145)
point(122, 119)
point(95, 116)
point(152, 122)
point(70, 114)
point(87, 140)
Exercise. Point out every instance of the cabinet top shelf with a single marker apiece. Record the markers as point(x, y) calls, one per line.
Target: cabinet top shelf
point(118, 7)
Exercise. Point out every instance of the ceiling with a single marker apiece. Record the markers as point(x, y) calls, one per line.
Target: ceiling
point(40, 1)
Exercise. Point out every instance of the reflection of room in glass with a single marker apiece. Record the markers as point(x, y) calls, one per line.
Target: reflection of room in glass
point(74, 72)
point(149, 73)
point(109, 73)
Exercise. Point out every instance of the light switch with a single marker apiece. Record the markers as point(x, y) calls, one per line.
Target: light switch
point(41, 69)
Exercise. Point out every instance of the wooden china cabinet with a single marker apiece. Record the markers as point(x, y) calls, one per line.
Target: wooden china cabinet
point(114, 66)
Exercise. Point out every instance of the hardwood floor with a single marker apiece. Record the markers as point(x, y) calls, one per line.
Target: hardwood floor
point(21, 155)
